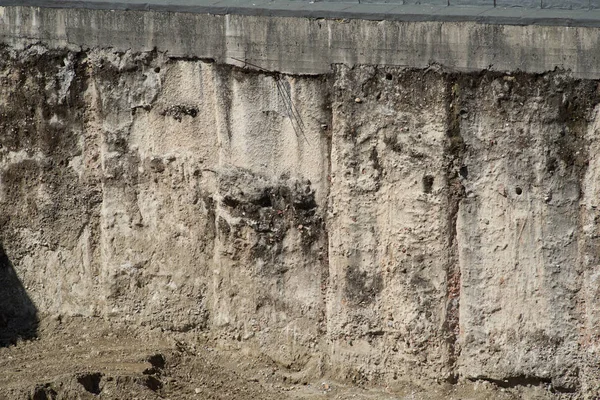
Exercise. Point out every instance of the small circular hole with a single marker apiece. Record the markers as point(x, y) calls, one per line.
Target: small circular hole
point(157, 70)
point(518, 190)
point(388, 77)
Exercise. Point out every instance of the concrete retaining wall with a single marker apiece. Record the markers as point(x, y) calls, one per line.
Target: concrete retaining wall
point(419, 224)
point(312, 46)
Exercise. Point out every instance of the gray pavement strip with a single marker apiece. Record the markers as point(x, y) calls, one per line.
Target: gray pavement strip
point(509, 12)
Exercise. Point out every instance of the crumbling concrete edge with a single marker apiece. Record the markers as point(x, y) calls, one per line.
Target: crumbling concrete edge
point(311, 45)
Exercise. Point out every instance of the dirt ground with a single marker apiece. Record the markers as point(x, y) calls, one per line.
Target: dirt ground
point(93, 359)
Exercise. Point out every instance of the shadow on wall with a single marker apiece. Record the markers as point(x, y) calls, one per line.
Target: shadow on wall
point(18, 314)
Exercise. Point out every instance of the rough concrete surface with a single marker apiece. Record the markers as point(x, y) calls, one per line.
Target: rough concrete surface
point(424, 231)
point(459, 38)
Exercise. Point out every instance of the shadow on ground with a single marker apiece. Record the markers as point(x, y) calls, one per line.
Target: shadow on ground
point(18, 314)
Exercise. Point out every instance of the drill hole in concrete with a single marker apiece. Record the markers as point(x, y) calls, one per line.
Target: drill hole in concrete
point(388, 76)
point(157, 70)
point(428, 183)
point(518, 190)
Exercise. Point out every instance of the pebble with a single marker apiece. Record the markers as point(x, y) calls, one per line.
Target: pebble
point(357, 100)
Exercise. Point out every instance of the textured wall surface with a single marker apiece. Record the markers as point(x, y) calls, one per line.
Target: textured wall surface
point(536, 41)
point(298, 7)
point(376, 223)
point(421, 225)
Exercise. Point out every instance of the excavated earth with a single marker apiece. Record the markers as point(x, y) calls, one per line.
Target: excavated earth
point(94, 359)
point(177, 228)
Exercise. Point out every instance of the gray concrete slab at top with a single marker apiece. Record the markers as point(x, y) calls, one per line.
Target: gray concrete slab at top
point(505, 11)
point(519, 3)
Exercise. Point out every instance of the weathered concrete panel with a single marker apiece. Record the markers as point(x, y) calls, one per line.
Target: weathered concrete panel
point(388, 249)
point(519, 3)
point(309, 46)
point(198, 5)
point(524, 161)
point(566, 4)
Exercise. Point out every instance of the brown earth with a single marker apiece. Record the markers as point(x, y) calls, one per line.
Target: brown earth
point(85, 358)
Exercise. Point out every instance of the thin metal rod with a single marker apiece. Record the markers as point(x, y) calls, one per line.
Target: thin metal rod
point(290, 108)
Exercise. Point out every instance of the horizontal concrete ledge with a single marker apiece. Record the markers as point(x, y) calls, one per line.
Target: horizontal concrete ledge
point(369, 10)
point(311, 46)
